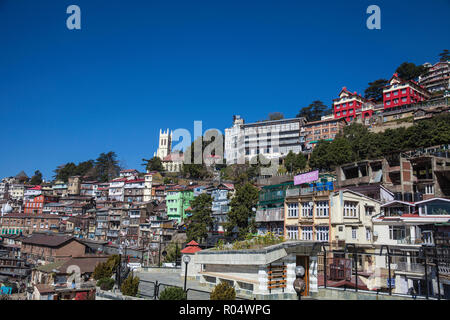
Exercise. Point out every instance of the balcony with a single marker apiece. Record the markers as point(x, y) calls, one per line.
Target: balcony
point(270, 215)
point(408, 267)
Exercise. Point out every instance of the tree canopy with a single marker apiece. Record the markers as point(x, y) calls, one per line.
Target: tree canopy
point(375, 90)
point(276, 116)
point(409, 71)
point(153, 164)
point(200, 222)
point(444, 55)
point(37, 178)
point(241, 214)
point(314, 111)
point(294, 162)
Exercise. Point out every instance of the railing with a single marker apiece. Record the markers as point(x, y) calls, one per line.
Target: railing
point(270, 215)
point(408, 267)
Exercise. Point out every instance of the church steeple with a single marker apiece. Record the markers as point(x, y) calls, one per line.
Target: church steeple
point(165, 144)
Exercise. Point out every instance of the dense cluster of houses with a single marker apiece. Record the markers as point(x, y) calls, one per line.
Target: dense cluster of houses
point(402, 202)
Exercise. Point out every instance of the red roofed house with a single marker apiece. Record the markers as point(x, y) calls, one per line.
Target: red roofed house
point(400, 92)
point(36, 205)
point(349, 105)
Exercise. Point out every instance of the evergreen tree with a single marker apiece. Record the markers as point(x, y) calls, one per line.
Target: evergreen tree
point(153, 164)
point(314, 111)
point(241, 211)
point(201, 221)
point(37, 178)
point(409, 71)
point(294, 162)
point(375, 90)
point(107, 166)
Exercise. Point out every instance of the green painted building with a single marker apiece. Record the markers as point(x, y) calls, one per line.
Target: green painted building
point(178, 199)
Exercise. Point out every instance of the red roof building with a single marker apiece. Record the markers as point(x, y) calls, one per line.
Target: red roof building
point(400, 92)
point(349, 105)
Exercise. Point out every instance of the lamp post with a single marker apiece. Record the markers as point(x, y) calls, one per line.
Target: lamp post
point(186, 260)
point(299, 283)
point(159, 255)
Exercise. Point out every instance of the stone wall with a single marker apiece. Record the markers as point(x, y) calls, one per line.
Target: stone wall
point(350, 294)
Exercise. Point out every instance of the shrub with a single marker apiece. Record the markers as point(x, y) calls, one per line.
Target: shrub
point(106, 269)
point(223, 291)
point(130, 286)
point(173, 293)
point(105, 283)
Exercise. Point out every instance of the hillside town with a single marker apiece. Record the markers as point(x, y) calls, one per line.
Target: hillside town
point(357, 196)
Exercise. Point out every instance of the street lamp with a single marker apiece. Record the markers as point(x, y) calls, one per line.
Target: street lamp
point(159, 255)
point(299, 283)
point(186, 260)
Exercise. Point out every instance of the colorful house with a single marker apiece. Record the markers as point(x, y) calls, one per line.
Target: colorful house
point(178, 199)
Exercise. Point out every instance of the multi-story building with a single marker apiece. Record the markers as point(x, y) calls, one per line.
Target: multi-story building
point(114, 224)
point(134, 191)
point(307, 211)
point(406, 227)
point(273, 139)
point(16, 192)
point(60, 188)
point(116, 189)
point(43, 248)
point(270, 211)
point(88, 188)
point(36, 205)
point(437, 78)
point(74, 185)
point(20, 223)
point(221, 196)
point(102, 191)
point(349, 105)
point(410, 177)
point(351, 218)
point(4, 190)
point(31, 192)
point(129, 173)
point(152, 178)
point(325, 129)
point(101, 224)
point(400, 92)
point(178, 199)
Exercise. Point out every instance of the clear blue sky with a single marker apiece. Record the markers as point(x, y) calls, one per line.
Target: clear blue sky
point(138, 66)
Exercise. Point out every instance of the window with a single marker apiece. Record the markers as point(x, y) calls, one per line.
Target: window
point(322, 209)
point(388, 102)
point(429, 189)
point(388, 95)
point(403, 90)
point(307, 209)
point(307, 233)
point(354, 229)
point(397, 232)
point(292, 233)
point(369, 210)
point(322, 233)
point(368, 234)
point(395, 93)
point(350, 209)
point(292, 210)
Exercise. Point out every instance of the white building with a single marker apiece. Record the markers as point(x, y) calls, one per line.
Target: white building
point(437, 78)
point(273, 139)
point(405, 228)
point(164, 145)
